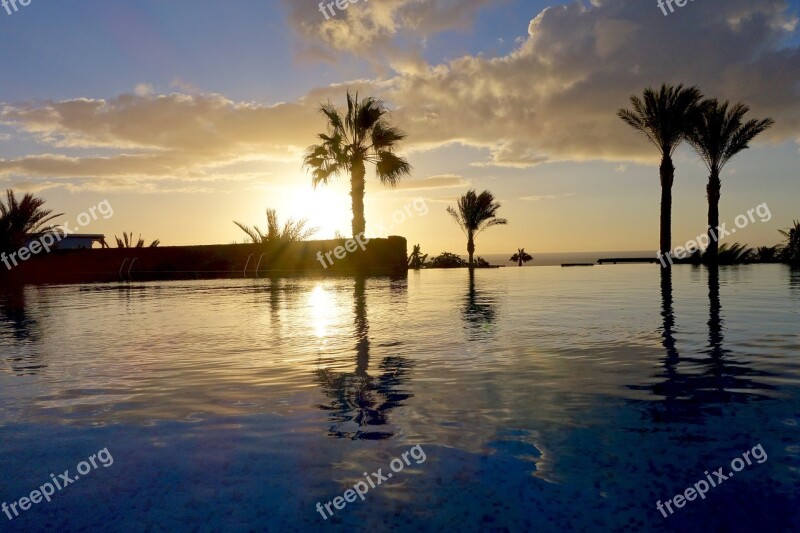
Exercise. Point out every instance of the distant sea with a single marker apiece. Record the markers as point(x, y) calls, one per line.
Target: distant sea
point(551, 259)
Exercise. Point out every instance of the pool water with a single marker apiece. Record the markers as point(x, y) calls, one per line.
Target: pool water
point(543, 399)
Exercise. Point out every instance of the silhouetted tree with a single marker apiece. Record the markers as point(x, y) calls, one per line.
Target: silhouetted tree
point(475, 213)
point(21, 219)
point(663, 116)
point(127, 241)
point(731, 254)
point(416, 260)
point(791, 250)
point(717, 133)
point(481, 262)
point(767, 254)
point(521, 256)
point(290, 232)
point(362, 136)
point(447, 260)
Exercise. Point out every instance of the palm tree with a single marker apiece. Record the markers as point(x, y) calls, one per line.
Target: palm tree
point(127, 241)
point(735, 254)
point(291, 232)
point(663, 116)
point(521, 256)
point(416, 259)
point(362, 136)
point(717, 133)
point(475, 213)
point(22, 219)
point(791, 251)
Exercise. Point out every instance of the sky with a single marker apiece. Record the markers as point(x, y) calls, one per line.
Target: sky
point(188, 115)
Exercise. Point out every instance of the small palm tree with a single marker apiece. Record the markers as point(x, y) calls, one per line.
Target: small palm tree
point(734, 254)
point(290, 232)
point(521, 256)
point(416, 260)
point(663, 116)
point(127, 241)
point(362, 136)
point(790, 252)
point(21, 219)
point(717, 133)
point(475, 213)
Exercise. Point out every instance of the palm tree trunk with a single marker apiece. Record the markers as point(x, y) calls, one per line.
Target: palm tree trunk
point(713, 189)
point(667, 174)
point(357, 186)
point(470, 247)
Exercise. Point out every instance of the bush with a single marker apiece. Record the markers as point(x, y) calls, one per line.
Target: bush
point(481, 262)
point(447, 260)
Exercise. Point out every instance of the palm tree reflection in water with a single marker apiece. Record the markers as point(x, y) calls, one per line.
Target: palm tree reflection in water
point(692, 386)
point(359, 403)
point(23, 328)
point(478, 312)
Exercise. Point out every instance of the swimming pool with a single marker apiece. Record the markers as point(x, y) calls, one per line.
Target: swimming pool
point(543, 399)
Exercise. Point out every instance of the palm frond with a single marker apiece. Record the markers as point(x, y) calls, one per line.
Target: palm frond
point(254, 234)
point(23, 218)
point(662, 115)
point(717, 133)
point(391, 168)
point(290, 231)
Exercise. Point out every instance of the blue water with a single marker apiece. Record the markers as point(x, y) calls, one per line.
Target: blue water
point(543, 399)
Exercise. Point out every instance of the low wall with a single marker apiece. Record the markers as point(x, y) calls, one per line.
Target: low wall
point(379, 257)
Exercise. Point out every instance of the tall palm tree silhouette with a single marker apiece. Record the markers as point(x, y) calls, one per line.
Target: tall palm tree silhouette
point(663, 116)
point(362, 136)
point(718, 133)
point(475, 213)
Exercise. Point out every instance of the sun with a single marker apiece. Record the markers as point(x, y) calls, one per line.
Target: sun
point(326, 208)
point(323, 310)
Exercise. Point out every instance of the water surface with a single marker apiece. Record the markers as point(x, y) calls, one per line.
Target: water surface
point(544, 399)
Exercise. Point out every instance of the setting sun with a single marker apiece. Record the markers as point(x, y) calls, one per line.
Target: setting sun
point(326, 208)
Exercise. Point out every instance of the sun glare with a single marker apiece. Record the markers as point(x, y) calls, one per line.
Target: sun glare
point(326, 208)
point(323, 310)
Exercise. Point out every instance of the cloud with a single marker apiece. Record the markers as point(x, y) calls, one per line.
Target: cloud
point(434, 182)
point(380, 30)
point(553, 98)
point(144, 89)
point(156, 136)
point(544, 197)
